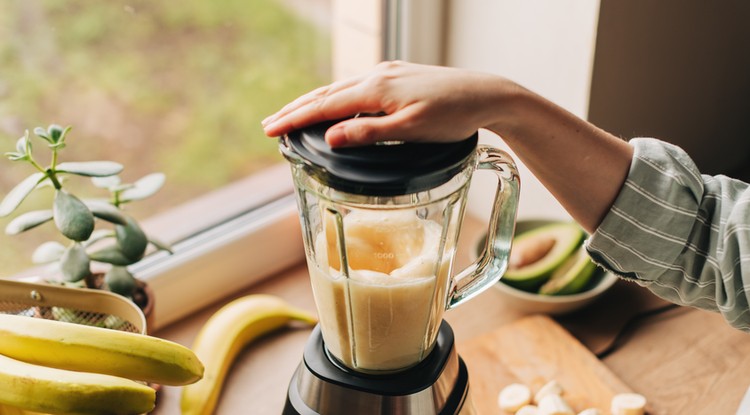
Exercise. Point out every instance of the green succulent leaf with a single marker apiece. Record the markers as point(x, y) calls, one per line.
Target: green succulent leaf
point(120, 281)
point(111, 255)
point(13, 156)
point(19, 193)
point(108, 212)
point(90, 168)
point(144, 187)
point(131, 240)
point(72, 217)
point(56, 133)
point(107, 182)
point(58, 146)
point(28, 221)
point(99, 235)
point(48, 252)
point(75, 263)
point(162, 246)
point(23, 145)
point(42, 133)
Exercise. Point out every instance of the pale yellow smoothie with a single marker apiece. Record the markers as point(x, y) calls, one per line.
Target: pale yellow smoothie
point(383, 316)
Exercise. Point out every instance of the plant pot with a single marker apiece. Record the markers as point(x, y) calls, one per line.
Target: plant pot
point(144, 299)
point(143, 296)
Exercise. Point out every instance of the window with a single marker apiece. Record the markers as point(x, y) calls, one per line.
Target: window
point(152, 86)
point(181, 90)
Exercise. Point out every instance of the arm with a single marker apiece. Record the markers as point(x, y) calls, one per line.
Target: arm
point(581, 165)
point(654, 218)
point(683, 235)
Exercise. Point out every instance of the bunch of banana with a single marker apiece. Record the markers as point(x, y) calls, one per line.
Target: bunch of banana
point(225, 334)
point(65, 368)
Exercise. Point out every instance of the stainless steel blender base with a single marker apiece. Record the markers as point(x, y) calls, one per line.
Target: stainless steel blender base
point(437, 385)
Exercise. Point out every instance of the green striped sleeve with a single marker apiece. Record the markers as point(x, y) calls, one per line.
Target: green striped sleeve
point(684, 235)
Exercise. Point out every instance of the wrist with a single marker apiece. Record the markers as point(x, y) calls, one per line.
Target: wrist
point(512, 110)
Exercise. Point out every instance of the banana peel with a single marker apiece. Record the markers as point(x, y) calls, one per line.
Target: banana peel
point(31, 387)
point(53, 367)
point(11, 410)
point(225, 334)
point(82, 348)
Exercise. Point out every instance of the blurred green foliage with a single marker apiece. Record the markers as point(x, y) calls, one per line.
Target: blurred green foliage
point(156, 85)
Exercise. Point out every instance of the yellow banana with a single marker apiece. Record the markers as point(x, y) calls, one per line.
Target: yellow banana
point(225, 334)
point(98, 350)
point(56, 391)
point(12, 410)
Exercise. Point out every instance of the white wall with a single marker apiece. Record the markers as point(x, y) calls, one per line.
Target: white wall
point(545, 45)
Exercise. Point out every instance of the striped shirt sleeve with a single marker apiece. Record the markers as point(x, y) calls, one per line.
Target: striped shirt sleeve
point(683, 235)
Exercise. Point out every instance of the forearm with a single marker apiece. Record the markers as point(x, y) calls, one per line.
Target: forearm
point(681, 234)
point(582, 166)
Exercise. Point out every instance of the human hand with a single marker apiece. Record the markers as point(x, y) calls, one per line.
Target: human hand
point(420, 103)
point(431, 103)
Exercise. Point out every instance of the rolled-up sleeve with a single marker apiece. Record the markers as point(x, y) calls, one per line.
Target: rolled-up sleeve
point(684, 235)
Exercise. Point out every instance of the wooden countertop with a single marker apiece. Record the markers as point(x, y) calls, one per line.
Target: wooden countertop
point(685, 361)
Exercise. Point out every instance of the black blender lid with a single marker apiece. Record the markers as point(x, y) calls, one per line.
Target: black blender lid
point(383, 169)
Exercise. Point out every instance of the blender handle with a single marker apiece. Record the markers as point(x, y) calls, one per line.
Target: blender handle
point(493, 261)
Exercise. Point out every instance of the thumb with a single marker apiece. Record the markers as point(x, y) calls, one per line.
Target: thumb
point(367, 130)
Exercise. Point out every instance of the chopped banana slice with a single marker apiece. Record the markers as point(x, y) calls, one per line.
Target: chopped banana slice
point(552, 387)
point(628, 404)
point(554, 405)
point(590, 411)
point(528, 410)
point(513, 397)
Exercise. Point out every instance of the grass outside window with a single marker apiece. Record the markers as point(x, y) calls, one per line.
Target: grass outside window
point(174, 87)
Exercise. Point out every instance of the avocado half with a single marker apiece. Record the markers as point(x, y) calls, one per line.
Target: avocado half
point(564, 237)
point(572, 276)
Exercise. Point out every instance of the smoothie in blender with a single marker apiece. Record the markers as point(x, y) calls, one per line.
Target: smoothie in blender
point(384, 315)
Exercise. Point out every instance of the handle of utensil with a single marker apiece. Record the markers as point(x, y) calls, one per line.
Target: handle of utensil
point(493, 261)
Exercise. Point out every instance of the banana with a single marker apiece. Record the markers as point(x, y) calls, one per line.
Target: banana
point(98, 350)
point(528, 410)
point(513, 397)
point(12, 410)
point(628, 404)
point(554, 405)
point(225, 334)
point(552, 387)
point(56, 391)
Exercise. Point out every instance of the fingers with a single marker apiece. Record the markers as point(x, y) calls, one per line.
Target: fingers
point(304, 99)
point(342, 102)
point(368, 130)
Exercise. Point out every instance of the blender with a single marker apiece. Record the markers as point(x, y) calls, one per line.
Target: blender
point(380, 225)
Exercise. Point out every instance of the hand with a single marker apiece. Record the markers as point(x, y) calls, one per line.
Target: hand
point(581, 165)
point(421, 103)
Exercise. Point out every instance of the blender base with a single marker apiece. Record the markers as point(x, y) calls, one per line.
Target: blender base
point(437, 385)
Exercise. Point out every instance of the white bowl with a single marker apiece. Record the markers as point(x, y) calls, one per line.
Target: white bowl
point(528, 302)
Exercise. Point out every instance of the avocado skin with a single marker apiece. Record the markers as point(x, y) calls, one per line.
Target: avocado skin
point(572, 277)
point(568, 237)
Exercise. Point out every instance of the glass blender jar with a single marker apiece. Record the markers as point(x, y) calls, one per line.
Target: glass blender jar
point(380, 225)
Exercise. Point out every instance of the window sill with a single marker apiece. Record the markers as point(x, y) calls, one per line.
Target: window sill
point(226, 240)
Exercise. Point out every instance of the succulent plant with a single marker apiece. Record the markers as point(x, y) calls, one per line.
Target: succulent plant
point(120, 243)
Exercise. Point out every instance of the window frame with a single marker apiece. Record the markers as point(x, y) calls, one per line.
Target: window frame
point(247, 231)
point(256, 217)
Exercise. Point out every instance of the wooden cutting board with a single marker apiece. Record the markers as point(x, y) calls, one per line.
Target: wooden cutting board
point(533, 351)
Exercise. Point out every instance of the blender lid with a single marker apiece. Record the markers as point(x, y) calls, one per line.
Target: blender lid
point(382, 169)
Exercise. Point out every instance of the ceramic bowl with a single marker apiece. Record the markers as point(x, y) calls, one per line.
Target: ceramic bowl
point(528, 302)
